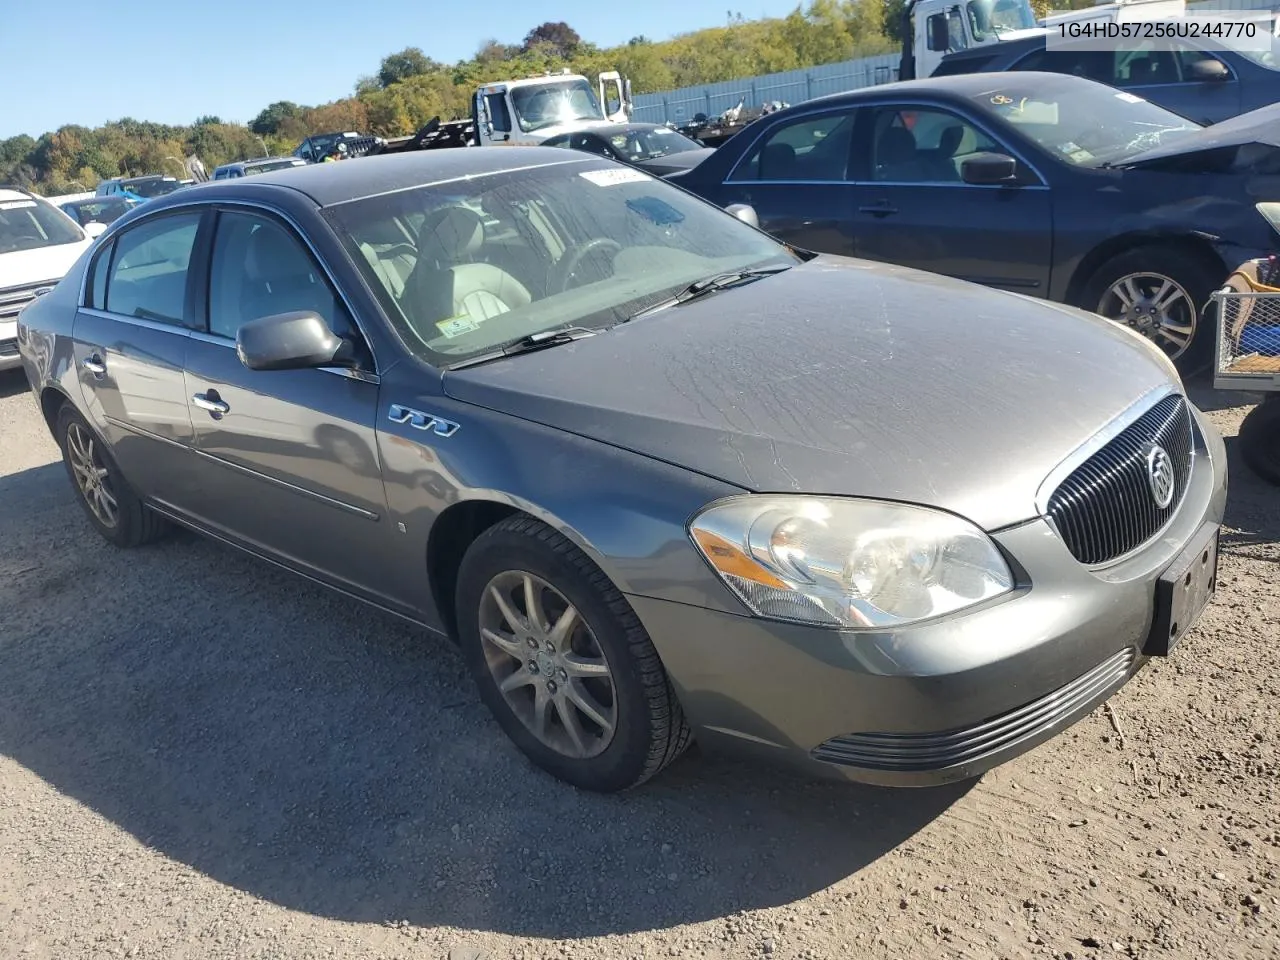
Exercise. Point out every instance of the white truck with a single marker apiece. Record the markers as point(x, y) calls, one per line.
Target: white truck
point(504, 113)
point(933, 28)
point(533, 109)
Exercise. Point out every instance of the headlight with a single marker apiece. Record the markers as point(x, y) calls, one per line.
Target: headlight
point(846, 563)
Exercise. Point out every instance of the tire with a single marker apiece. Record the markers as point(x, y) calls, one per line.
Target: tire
point(646, 726)
point(1260, 439)
point(133, 524)
point(1195, 279)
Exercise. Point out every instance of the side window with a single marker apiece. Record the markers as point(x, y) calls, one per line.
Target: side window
point(96, 297)
point(1143, 68)
point(923, 146)
point(148, 276)
point(808, 148)
point(260, 269)
point(1188, 57)
point(1090, 64)
point(497, 103)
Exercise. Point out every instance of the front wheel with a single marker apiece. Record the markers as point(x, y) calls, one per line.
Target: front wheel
point(1160, 292)
point(562, 661)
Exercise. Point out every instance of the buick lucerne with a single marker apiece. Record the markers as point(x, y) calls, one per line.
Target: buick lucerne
point(661, 477)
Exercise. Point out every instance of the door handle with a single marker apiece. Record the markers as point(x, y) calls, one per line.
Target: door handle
point(882, 208)
point(211, 402)
point(93, 363)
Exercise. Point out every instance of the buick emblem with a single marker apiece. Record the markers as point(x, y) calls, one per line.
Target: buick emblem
point(1160, 476)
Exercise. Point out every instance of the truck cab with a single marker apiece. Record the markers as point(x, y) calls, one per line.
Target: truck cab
point(934, 28)
point(530, 110)
point(931, 29)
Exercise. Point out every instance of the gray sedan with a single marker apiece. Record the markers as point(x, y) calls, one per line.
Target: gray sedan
point(661, 477)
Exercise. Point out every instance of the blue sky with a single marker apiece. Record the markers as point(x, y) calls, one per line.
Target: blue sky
point(80, 61)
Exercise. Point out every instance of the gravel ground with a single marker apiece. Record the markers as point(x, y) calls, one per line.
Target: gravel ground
point(204, 757)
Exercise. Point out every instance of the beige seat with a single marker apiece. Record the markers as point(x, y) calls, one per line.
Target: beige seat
point(449, 282)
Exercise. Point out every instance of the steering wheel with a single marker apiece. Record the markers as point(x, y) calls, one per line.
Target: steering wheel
point(578, 252)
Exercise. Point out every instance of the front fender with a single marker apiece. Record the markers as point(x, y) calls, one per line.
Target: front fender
point(626, 511)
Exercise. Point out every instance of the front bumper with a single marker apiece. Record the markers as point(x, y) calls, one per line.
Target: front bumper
point(10, 358)
point(941, 701)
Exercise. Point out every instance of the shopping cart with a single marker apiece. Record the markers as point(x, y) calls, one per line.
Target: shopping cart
point(1248, 358)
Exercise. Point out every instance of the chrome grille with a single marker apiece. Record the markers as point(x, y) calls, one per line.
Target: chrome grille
point(951, 748)
point(13, 299)
point(1105, 508)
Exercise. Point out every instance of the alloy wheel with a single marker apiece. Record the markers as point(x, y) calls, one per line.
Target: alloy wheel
point(548, 665)
point(92, 476)
point(1156, 306)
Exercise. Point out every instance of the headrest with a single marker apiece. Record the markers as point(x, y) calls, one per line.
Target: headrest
point(450, 234)
point(274, 254)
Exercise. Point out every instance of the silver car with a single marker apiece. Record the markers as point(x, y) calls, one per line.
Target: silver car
point(661, 477)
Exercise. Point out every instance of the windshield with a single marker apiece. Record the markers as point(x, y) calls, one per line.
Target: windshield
point(544, 104)
point(27, 224)
point(642, 144)
point(151, 188)
point(251, 170)
point(467, 267)
point(1084, 123)
point(991, 18)
point(99, 211)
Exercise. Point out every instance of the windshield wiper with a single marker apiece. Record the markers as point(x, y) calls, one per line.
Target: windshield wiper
point(534, 341)
point(700, 288)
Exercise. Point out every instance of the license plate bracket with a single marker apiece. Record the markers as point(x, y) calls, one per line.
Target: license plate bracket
point(1183, 591)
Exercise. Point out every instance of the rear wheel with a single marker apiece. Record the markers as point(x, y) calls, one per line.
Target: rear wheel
point(1160, 292)
point(562, 661)
point(112, 506)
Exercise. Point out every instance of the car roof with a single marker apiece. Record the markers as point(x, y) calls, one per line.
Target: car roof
point(1005, 48)
point(12, 193)
point(960, 86)
point(330, 183)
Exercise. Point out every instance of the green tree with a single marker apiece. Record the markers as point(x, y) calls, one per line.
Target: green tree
point(409, 62)
point(559, 39)
point(270, 119)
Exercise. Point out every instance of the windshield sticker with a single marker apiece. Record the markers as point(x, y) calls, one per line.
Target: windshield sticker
point(1000, 100)
point(16, 204)
point(609, 178)
point(658, 212)
point(457, 326)
point(1129, 98)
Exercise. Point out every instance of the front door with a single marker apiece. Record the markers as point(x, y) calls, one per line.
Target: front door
point(288, 460)
point(796, 178)
point(130, 342)
point(913, 209)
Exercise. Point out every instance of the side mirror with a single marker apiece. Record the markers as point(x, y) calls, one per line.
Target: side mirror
point(93, 229)
point(744, 212)
point(1209, 70)
point(291, 341)
point(984, 169)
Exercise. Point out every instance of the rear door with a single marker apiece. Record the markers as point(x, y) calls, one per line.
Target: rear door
point(913, 209)
point(131, 336)
point(288, 458)
point(796, 177)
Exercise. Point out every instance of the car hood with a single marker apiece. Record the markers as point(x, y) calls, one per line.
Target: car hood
point(676, 162)
point(23, 267)
point(842, 377)
point(1261, 126)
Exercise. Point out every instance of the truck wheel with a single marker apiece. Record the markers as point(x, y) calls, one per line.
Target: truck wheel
point(1161, 293)
point(1260, 439)
point(562, 661)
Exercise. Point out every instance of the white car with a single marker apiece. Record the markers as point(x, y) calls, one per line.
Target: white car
point(38, 245)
